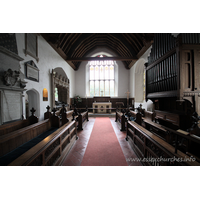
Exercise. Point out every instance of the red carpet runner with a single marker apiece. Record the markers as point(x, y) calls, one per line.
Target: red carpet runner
point(103, 147)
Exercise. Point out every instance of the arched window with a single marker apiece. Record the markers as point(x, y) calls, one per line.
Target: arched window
point(101, 78)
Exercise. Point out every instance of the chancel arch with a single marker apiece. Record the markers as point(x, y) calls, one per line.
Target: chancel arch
point(60, 88)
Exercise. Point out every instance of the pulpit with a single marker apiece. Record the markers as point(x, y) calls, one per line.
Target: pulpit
point(102, 107)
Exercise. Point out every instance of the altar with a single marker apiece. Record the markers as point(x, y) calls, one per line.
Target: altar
point(103, 105)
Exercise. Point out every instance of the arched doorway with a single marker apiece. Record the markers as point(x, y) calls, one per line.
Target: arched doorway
point(32, 100)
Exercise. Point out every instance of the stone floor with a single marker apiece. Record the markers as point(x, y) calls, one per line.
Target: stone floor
point(76, 154)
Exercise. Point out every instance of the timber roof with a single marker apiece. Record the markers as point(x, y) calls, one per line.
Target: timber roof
point(74, 47)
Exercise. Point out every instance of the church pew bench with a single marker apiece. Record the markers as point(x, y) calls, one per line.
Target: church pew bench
point(69, 114)
point(148, 115)
point(10, 127)
point(82, 119)
point(16, 138)
point(152, 150)
point(13, 126)
point(135, 116)
point(11, 156)
point(121, 119)
point(157, 129)
point(65, 116)
point(185, 141)
point(52, 150)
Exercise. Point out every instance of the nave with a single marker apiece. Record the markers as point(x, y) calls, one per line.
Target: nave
point(77, 152)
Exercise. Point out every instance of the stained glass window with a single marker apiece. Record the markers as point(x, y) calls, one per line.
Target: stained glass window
point(102, 79)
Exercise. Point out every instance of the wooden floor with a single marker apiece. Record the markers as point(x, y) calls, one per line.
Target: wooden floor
point(75, 156)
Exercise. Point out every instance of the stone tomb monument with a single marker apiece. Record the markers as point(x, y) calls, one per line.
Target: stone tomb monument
point(12, 85)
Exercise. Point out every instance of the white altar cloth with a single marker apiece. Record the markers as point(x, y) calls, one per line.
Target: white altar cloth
point(102, 105)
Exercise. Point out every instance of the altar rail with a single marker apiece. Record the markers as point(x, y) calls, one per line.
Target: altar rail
point(121, 120)
point(82, 118)
point(150, 148)
point(50, 151)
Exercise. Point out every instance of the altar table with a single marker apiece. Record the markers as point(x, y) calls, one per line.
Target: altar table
point(102, 105)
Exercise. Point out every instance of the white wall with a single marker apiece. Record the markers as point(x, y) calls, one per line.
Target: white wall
point(48, 60)
point(82, 76)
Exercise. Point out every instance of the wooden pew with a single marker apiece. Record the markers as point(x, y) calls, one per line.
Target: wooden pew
point(148, 115)
point(52, 150)
point(186, 142)
point(13, 140)
point(137, 116)
point(16, 138)
point(82, 119)
point(65, 116)
point(13, 126)
point(157, 129)
point(121, 120)
point(48, 114)
point(151, 150)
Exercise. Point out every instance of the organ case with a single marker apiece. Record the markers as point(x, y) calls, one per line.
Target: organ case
point(172, 75)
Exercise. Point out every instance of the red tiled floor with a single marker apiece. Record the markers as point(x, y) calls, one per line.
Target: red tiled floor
point(75, 156)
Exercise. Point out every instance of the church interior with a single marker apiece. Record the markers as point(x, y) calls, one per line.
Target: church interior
point(56, 89)
point(99, 100)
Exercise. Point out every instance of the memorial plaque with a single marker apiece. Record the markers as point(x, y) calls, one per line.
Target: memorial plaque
point(31, 71)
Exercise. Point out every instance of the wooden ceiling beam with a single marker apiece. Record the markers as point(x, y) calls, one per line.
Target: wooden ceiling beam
point(87, 44)
point(124, 49)
point(123, 41)
point(72, 65)
point(76, 44)
point(83, 46)
point(101, 58)
point(64, 40)
point(138, 41)
point(105, 42)
point(69, 41)
point(133, 43)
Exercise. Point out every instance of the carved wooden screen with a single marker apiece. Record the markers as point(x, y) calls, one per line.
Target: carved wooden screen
point(161, 71)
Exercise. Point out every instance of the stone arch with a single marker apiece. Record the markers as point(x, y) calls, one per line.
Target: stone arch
point(138, 83)
point(33, 100)
point(139, 80)
point(61, 82)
